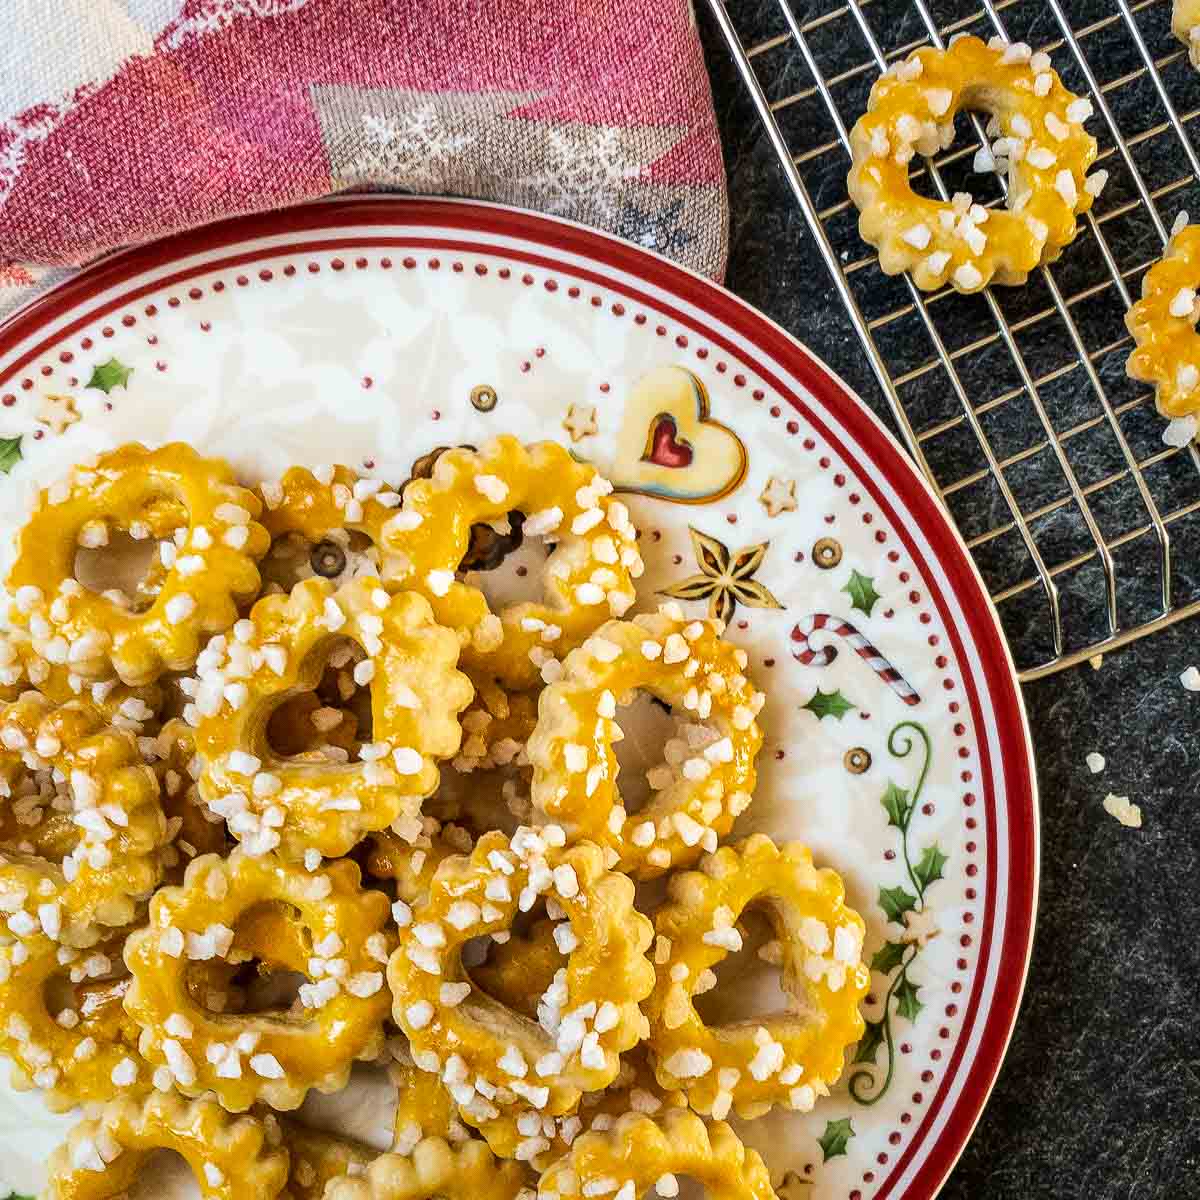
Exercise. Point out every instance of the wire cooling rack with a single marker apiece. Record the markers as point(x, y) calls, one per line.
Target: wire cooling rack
point(1015, 402)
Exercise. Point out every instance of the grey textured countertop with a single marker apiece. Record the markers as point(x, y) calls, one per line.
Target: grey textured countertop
point(1100, 1093)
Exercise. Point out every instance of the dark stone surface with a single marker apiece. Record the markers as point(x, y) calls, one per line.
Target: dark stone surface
point(1100, 1094)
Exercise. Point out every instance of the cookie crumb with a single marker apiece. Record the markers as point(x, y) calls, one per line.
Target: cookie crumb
point(1095, 762)
point(1129, 815)
point(1096, 661)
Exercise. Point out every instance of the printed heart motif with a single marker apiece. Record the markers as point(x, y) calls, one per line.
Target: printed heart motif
point(669, 446)
point(664, 447)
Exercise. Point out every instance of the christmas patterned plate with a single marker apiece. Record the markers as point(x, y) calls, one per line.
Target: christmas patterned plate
point(370, 331)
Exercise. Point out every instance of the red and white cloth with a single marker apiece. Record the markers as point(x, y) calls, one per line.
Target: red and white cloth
point(124, 120)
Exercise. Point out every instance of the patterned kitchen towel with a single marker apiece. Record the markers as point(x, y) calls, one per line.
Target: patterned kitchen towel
point(124, 120)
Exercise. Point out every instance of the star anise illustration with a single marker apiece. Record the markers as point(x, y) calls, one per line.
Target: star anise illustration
point(725, 580)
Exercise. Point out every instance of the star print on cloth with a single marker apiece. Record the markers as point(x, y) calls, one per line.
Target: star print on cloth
point(725, 580)
point(580, 422)
point(779, 496)
point(58, 412)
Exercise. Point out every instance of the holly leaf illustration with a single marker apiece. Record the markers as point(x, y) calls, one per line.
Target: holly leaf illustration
point(862, 593)
point(829, 704)
point(835, 1138)
point(929, 867)
point(109, 375)
point(869, 1043)
point(10, 454)
point(888, 957)
point(907, 1004)
point(897, 805)
point(896, 902)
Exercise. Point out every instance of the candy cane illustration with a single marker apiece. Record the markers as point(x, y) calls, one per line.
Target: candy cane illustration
point(812, 656)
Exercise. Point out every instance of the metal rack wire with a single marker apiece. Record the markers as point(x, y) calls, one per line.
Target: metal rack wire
point(1014, 402)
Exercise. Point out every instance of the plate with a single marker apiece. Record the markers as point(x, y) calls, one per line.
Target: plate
point(369, 331)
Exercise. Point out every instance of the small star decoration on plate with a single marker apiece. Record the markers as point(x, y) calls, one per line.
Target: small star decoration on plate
point(580, 421)
point(58, 412)
point(725, 580)
point(779, 496)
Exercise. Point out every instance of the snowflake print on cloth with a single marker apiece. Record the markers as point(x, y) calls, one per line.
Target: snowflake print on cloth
point(414, 146)
point(211, 16)
point(480, 144)
point(659, 229)
point(725, 580)
point(582, 170)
